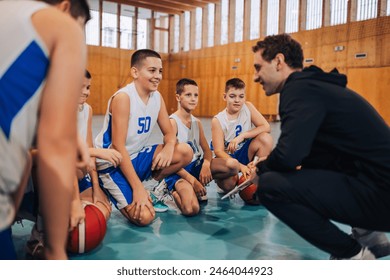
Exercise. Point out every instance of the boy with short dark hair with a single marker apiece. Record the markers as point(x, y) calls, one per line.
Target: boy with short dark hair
point(239, 133)
point(131, 115)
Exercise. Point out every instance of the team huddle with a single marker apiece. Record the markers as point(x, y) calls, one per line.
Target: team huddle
point(330, 163)
point(140, 179)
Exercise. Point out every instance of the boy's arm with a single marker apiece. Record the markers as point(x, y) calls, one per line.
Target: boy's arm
point(164, 157)
point(198, 187)
point(260, 123)
point(97, 192)
point(218, 139)
point(57, 133)
point(205, 174)
point(77, 213)
point(120, 111)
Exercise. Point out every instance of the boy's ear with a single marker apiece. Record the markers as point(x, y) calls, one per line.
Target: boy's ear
point(177, 97)
point(64, 6)
point(134, 72)
point(224, 96)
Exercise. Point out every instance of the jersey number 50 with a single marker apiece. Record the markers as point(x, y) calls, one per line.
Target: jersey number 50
point(144, 125)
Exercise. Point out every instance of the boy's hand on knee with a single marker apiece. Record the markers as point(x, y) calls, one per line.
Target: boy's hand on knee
point(163, 159)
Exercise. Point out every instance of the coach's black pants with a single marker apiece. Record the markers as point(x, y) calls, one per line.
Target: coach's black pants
point(307, 201)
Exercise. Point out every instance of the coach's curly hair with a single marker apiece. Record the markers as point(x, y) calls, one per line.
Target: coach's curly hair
point(284, 44)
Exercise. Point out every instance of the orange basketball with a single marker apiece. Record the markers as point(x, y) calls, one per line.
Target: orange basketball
point(87, 236)
point(249, 193)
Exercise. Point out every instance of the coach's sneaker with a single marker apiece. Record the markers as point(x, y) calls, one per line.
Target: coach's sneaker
point(364, 254)
point(158, 205)
point(376, 241)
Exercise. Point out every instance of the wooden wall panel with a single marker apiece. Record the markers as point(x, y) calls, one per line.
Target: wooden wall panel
point(374, 85)
point(211, 67)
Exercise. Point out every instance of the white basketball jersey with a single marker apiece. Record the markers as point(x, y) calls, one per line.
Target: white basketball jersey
point(189, 135)
point(82, 121)
point(232, 128)
point(142, 119)
point(23, 66)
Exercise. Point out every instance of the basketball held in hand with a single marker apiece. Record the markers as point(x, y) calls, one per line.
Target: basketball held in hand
point(88, 235)
point(249, 193)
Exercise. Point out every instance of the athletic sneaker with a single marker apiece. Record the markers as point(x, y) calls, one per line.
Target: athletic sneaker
point(34, 246)
point(170, 201)
point(376, 241)
point(219, 190)
point(160, 190)
point(364, 254)
point(158, 205)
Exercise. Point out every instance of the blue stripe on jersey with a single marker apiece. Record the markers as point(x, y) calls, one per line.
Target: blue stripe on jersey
point(107, 140)
point(20, 82)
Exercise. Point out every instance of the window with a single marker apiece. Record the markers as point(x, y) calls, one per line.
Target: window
point(366, 9)
point(161, 32)
point(314, 14)
point(273, 17)
point(388, 8)
point(109, 24)
point(292, 13)
point(254, 28)
point(224, 21)
point(211, 23)
point(126, 27)
point(144, 15)
point(239, 21)
point(198, 28)
point(187, 22)
point(92, 33)
point(338, 11)
point(176, 33)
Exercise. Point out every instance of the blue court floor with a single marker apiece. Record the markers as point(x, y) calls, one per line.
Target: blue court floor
point(224, 230)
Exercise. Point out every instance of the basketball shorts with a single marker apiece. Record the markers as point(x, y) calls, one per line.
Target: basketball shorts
point(116, 184)
point(85, 183)
point(193, 168)
point(7, 251)
point(242, 154)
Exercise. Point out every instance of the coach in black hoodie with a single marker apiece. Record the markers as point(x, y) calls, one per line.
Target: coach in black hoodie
point(332, 160)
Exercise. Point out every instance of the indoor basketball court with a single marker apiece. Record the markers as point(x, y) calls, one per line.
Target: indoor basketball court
point(211, 42)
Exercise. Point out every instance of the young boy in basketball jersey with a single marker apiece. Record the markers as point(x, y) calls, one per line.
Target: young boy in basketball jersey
point(239, 133)
point(131, 115)
point(188, 185)
point(88, 185)
point(30, 86)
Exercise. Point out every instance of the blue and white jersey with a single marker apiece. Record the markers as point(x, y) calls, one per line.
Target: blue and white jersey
point(82, 121)
point(142, 119)
point(189, 135)
point(232, 128)
point(24, 63)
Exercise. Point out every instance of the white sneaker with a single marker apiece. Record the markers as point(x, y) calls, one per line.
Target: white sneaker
point(219, 190)
point(364, 254)
point(376, 241)
point(158, 205)
point(160, 190)
point(170, 202)
point(150, 184)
